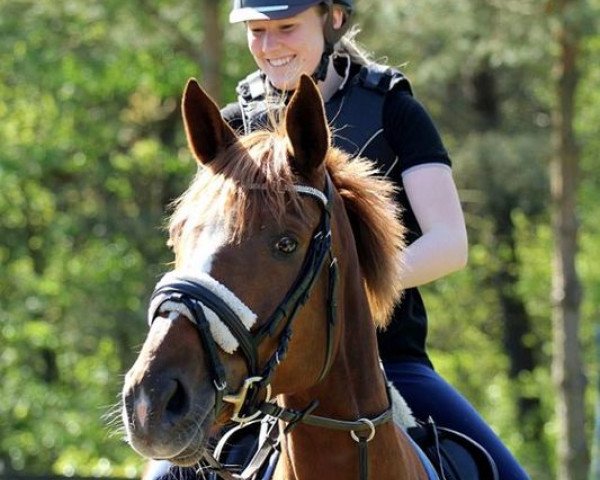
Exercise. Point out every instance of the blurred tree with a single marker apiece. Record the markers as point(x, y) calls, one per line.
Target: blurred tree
point(594, 472)
point(567, 367)
point(213, 48)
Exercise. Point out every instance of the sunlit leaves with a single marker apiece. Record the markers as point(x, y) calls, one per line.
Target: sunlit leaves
point(93, 152)
point(88, 165)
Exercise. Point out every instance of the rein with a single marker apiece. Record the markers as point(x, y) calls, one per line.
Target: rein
point(247, 403)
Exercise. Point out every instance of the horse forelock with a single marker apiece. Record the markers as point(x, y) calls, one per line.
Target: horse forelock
point(249, 178)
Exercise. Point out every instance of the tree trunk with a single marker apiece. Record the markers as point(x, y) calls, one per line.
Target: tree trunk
point(595, 463)
point(567, 368)
point(212, 48)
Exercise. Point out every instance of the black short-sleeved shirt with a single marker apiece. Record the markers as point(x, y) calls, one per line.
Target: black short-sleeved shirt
point(414, 140)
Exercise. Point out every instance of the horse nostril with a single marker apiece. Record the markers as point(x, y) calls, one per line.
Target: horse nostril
point(179, 401)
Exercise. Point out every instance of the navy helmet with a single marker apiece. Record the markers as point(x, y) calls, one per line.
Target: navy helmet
point(245, 10)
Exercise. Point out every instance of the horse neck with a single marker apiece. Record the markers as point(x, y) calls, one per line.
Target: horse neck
point(354, 388)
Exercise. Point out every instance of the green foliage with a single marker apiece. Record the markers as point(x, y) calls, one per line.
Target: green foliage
point(93, 152)
point(90, 160)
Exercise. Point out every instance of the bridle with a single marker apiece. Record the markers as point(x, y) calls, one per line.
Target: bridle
point(248, 402)
point(192, 294)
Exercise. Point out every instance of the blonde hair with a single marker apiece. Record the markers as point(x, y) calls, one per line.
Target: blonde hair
point(349, 46)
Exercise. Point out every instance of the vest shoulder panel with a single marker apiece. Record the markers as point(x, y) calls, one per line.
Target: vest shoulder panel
point(354, 113)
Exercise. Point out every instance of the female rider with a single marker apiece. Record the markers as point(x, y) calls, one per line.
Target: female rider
point(374, 114)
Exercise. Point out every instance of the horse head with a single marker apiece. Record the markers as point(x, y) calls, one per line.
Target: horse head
point(278, 240)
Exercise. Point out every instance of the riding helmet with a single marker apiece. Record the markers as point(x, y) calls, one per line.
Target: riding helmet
point(245, 10)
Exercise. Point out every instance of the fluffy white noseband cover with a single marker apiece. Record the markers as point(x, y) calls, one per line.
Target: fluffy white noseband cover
point(222, 335)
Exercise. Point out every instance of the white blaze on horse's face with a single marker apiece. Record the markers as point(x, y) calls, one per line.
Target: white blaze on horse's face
point(142, 408)
point(208, 243)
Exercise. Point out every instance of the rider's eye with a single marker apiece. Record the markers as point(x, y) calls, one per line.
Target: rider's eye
point(286, 245)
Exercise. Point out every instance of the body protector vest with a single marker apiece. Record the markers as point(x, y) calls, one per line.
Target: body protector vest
point(354, 112)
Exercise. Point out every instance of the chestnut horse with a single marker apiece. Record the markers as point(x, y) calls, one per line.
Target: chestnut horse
point(287, 257)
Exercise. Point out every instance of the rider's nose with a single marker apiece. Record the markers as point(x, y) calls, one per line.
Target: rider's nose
point(268, 42)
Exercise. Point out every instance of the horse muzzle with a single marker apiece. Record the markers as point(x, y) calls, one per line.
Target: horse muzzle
point(166, 419)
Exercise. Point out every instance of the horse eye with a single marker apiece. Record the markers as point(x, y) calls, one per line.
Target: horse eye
point(286, 245)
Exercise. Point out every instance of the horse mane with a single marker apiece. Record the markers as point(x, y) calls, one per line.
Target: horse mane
point(254, 175)
point(378, 231)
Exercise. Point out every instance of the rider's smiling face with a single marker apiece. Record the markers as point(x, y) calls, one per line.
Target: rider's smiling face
point(285, 49)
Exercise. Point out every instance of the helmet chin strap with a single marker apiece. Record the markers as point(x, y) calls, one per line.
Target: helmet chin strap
point(321, 71)
point(332, 36)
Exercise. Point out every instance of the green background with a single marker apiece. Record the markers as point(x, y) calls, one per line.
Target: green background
point(92, 152)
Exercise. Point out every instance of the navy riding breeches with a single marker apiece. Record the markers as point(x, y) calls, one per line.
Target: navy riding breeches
point(429, 395)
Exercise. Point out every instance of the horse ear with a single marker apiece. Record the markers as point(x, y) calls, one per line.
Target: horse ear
point(306, 126)
point(207, 133)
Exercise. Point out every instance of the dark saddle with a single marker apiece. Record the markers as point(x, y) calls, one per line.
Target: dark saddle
point(453, 455)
